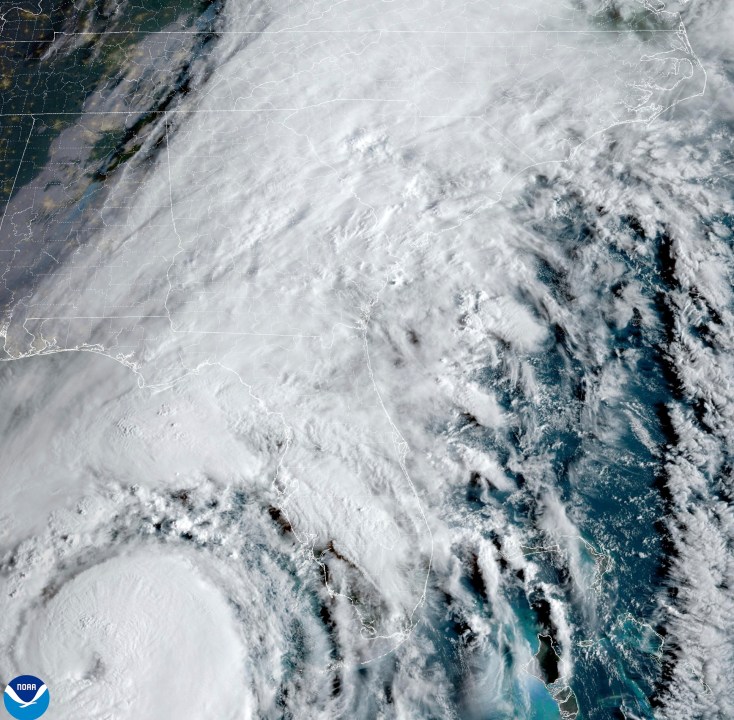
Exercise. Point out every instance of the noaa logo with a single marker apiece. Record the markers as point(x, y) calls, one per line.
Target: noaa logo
point(26, 697)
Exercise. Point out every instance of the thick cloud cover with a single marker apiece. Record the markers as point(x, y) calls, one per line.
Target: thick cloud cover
point(383, 372)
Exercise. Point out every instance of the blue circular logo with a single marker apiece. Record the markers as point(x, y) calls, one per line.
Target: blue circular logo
point(26, 697)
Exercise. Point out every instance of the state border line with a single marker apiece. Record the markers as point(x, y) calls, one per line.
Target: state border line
point(365, 31)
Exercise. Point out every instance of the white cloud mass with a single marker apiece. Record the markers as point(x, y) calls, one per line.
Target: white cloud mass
point(401, 339)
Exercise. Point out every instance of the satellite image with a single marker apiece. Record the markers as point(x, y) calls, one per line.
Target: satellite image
point(367, 359)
